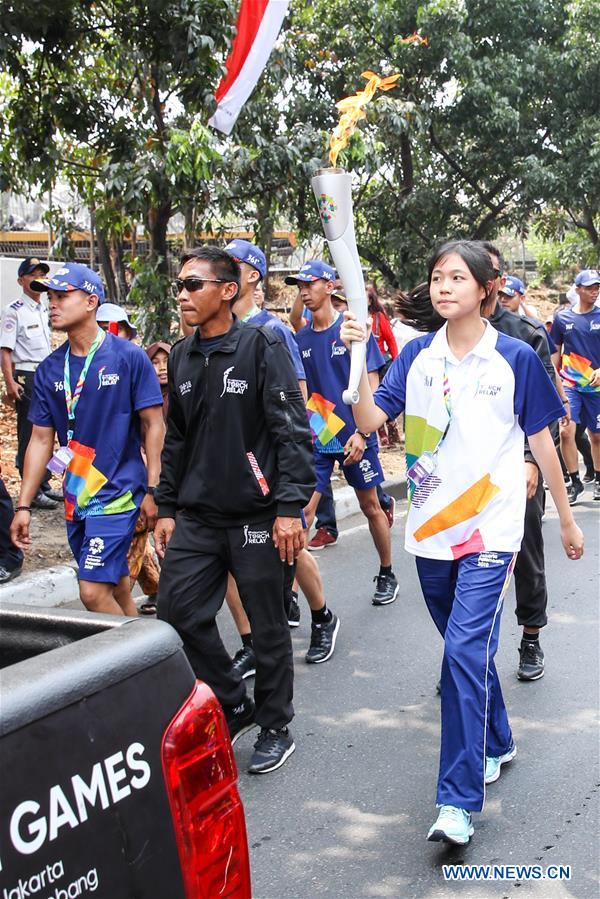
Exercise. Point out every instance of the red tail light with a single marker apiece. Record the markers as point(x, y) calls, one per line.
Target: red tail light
point(208, 815)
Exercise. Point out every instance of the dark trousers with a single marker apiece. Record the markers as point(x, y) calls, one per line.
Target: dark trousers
point(10, 556)
point(24, 426)
point(191, 591)
point(530, 574)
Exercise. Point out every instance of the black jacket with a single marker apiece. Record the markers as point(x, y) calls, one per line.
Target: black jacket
point(238, 447)
point(528, 330)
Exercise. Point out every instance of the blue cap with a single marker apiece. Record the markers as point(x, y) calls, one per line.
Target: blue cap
point(72, 276)
point(513, 285)
point(587, 277)
point(312, 271)
point(30, 264)
point(110, 312)
point(244, 251)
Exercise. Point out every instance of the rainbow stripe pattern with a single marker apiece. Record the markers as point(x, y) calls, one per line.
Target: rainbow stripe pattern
point(324, 424)
point(82, 481)
point(577, 371)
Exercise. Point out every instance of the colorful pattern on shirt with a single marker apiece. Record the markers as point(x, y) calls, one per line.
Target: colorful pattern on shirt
point(475, 498)
point(327, 365)
point(579, 335)
point(107, 474)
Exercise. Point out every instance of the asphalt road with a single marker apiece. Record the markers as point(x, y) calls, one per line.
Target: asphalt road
point(347, 816)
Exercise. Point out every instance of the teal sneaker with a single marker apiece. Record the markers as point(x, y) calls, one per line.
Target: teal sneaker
point(453, 825)
point(494, 763)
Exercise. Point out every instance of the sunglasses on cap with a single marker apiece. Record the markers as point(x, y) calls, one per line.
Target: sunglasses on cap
point(193, 284)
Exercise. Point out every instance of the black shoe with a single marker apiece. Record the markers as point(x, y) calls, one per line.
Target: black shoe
point(293, 613)
point(574, 490)
point(244, 662)
point(322, 640)
point(596, 490)
point(6, 575)
point(438, 688)
point(386, 590)
point(271, 750)
point(54, 495)
point(531, 661)
point(240, 719)
point(41, 501)
point(589, 476)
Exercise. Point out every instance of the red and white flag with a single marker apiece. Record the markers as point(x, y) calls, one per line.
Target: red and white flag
point(258, 24)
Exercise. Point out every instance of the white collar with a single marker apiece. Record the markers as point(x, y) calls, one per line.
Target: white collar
point(484, 348)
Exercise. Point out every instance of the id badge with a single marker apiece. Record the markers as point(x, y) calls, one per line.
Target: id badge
point(420, 470)
point(60, 460)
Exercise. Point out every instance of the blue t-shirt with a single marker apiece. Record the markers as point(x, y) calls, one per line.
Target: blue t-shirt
point(579, 335)
point(263, 317)
point(327, 365)
point(107, 474)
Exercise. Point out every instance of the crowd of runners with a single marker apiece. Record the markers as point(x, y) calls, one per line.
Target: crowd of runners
point(224, 443)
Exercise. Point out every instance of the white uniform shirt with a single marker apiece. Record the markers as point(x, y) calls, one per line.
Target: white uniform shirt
point(26, 332)
point(474, 501)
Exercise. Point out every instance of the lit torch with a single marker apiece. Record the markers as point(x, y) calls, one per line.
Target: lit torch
point(333, 192)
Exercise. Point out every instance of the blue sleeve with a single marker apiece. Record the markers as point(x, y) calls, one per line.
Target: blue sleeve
point(145, 389)
point(390, 396)
point(288, 338)
point(557, 331)
point(536, 401)
point(39, 410)
point(375, 360)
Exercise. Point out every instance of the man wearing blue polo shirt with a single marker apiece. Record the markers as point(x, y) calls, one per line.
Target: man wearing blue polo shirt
point(100, 396)
point(335, 437)
point(576, 332)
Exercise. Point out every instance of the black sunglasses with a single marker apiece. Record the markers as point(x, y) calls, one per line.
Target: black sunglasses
point(193, 284)
point(498, 273)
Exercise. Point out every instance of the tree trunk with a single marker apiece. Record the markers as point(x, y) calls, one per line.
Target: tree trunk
point(380, 264)
point(158, 220)
point(106, 265)
point(116, 246)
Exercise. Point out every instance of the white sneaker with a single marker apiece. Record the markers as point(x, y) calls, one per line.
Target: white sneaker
point(453, 825)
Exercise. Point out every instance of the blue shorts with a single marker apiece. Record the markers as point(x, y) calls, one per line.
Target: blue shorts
point(584, 408)
point(361, 475)
point(100, 544)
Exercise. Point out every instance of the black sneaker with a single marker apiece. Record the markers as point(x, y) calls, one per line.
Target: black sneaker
point(6, 575)
point(240, 718)
point(54, 495)
point(271, 750)
point(244, 662)
point(531, 661)
point(589, 476)
point(293, 612)
point(596, 490)
point(322, 641)
point(574, 490)
point(386, 590)
point(41, 501)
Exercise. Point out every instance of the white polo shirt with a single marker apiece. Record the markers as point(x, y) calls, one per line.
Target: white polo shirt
point(475, 499)
point(26, 332)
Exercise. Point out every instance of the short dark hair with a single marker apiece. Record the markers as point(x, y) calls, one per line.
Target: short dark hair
point(477, 259)
point(416, 309)
point(494, 251)
point(223, 265)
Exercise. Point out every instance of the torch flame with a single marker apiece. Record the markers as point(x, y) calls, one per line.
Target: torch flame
point(353, 108)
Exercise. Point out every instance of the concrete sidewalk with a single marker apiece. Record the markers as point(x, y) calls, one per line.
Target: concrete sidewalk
point(55, 586)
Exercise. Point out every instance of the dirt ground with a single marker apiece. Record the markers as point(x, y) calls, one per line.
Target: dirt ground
point(50, 545)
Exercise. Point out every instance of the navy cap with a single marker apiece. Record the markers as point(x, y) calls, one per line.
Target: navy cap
point(513, 285)
point(312, 271)
point(587, 277)
point(72, 276)
point(244, 251)
point(30, 264)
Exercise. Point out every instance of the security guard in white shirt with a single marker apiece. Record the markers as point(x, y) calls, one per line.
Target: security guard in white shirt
point(24, 343)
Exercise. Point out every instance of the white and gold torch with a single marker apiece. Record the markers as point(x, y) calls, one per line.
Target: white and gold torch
point(333, 192)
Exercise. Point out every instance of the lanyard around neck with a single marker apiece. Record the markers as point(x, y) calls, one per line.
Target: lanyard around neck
point(72, 398)
point(254, 311)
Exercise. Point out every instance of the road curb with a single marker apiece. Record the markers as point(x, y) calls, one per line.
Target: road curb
point(50, 587)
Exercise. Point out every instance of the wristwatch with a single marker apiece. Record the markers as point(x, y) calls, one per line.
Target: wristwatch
point(364, 436)
point(151, 490)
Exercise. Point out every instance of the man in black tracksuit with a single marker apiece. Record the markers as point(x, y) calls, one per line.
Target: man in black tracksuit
point(237, 470)
point(530, 575)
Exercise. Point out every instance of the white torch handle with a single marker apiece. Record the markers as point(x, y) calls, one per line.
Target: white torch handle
point(333, 192)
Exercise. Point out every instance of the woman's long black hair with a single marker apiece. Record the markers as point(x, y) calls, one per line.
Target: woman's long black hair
point(416, 307)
